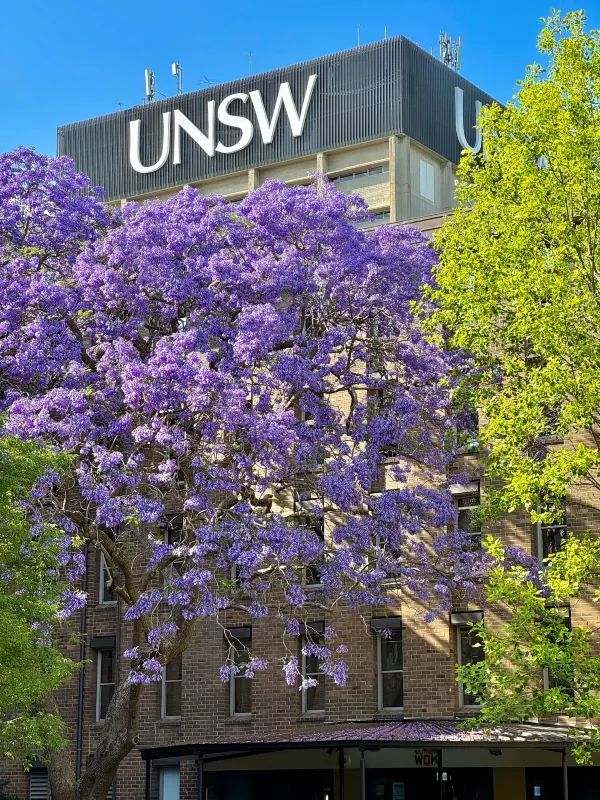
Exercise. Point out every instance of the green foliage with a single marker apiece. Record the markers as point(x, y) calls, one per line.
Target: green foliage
point(536, 664)
point(29, 597)
point(518, 280)
point(518, 286)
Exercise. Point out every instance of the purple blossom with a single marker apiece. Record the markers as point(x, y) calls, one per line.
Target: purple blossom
point(186, 358)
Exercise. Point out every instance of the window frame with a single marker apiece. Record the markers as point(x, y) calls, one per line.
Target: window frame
point(546, 676)
point(303, 509)
point(459, 660)
point(104, 567)
point(460, 490)
point(540, 530)
point(381, 671)
point(164, 687)
point(99, 683)
point(245, 645)
point(320, 676)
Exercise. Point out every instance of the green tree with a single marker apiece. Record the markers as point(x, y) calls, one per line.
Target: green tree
point(519, 288)
point(30, 666)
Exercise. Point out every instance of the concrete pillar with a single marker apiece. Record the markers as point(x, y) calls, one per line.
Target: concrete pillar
point(322, 163)
point(253, 179)
point(399, 151)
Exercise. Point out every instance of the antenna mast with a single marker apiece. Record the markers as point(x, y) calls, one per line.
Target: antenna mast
point(451, 51)
point(177, 73)
point(150, 85)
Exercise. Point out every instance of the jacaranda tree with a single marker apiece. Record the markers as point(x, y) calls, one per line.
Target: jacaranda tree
point(245, 369)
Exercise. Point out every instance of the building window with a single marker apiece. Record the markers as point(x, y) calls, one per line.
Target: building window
point(105, 681)
point(381, 402)
point(171, 689)
point(380, 217)
point(106, 592)
point(311, 514)
point(550, 538)
point(467, 500)
point(469, 650)
point(426, 180)
point(362, 173)
point(313, 698)
point(466, 432)
point(172, 530)
point(390, 678)
point(240, 687)
point(564, 681)
point(168, 783)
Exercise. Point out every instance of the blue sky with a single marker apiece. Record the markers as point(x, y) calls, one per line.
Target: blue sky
point(68, 60)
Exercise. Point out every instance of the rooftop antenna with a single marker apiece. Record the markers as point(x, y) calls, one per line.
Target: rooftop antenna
point(150, 85)
point(176, 72)
point(385, 31)
point(250, 62)
point(451, 51)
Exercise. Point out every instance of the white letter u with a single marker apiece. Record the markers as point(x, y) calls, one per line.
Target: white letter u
point(459, 121)
point(134, 144)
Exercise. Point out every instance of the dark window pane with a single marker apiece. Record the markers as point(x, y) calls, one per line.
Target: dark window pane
point(173, 699)
point(106, 693)
point(311, 665)
point(553, 537)
point(243, 695)
point(107, 665)
point(173, 670)
point(470, 653)
point(315, 697)
point(467, 521)
point(391, 653)
point(392, 690)
point(470, 647)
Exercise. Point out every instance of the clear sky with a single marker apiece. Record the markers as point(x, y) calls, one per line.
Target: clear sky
point(67, 60)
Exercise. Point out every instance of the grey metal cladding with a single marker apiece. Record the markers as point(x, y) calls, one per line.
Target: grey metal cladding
point(428, 102)
point(366, 93)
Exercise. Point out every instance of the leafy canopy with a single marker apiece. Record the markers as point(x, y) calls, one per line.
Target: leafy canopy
point(518, 273)
point(517, 287)
point(30, 597)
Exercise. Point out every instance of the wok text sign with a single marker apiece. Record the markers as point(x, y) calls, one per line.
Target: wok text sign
point(427, 758)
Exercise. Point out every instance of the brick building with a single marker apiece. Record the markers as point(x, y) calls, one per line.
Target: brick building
point(386, 121)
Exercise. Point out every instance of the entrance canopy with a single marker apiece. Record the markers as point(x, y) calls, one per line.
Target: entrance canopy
point(393, 733)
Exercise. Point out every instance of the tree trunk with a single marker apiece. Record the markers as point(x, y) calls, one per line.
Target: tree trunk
point(115, 741)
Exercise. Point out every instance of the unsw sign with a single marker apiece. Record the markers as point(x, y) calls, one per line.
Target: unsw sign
point(206, 139)
point(177, 122)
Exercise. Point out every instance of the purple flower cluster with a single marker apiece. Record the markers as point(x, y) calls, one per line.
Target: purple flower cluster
point(209, 360)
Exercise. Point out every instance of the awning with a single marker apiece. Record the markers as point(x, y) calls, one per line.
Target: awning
point(392, 733)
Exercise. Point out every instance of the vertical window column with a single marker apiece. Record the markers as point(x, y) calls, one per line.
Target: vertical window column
point(106, 673)
point(171, 689)
point(106, 592)
point(390, 666)
point(469, 649)
point(240, 687)
point(313, 698)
